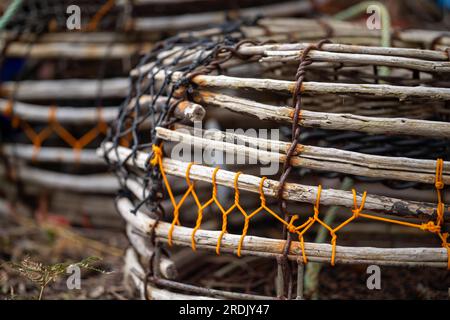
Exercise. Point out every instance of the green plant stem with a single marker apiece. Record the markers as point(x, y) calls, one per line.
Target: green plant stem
point(9, 13)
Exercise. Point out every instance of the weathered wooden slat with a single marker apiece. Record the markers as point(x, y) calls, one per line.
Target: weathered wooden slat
point(324, 159)
point(363, 59)
point(283, 86)
point(327, 120)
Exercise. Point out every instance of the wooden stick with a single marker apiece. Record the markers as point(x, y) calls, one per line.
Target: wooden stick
point(373, 108)
point(100, 37)
point(435, 55)
point(51, 154)
point(94, 183)
point(65, 89)
point(66, 114)
point(357, 58)
point(425, 36)
point(420, 38)
point(316, 252)
point(318, 161)
point(286, 29)
point(283, 86)
point(78, 51)
point(293, 192)
point(184, 110)
point(333, 121)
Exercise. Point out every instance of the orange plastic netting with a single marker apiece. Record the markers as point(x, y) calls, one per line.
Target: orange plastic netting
point(157, 160)
point(54, 127)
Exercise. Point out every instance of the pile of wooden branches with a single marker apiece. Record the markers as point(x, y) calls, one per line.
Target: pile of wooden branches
point(273, 73)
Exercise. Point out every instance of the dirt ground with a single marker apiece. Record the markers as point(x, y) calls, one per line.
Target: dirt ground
point(50, 245)
point(345, 282)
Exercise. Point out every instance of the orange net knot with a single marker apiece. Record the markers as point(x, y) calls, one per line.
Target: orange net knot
point(290, 227)
point(157, 155)
point(357, 210)
point(77, 146)
point(307, 223)
point(431, 227)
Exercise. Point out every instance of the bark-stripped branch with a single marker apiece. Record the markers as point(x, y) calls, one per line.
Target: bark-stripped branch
point(326, 120)
point(325, 159)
